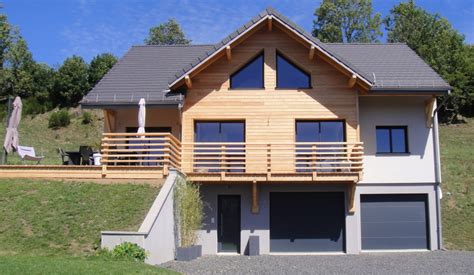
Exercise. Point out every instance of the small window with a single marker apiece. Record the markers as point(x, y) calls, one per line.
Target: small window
point(392, 139)
point(250, 76)
point(291, 76)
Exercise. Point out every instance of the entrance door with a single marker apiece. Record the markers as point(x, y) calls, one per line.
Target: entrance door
point(228, 222)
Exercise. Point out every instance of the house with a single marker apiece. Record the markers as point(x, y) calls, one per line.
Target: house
point(311, 147)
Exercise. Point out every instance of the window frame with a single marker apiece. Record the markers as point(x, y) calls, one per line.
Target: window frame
point(260, 53)
point(390, 128)
point(343, 121)
point(220, 127)
point(287, 59)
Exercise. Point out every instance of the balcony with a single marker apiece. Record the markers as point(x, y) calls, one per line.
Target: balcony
point(237, 161)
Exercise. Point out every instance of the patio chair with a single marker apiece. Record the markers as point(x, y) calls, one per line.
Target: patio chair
point(65, 158)
point(86, 155)
point(28, 153)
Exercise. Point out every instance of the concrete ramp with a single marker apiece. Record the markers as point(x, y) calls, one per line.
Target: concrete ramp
point(158, 233)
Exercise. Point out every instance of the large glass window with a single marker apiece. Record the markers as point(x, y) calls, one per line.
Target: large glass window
point(291, 76)
point(250, 76)
point(392, 139)
point(223, 156)
point(319, 131)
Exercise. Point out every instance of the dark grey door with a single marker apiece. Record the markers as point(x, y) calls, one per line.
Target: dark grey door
point(394, 221)
point(307, 221)
point(228, 222)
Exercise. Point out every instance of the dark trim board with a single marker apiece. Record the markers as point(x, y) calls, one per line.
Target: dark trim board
point(307, 222)
point(394, 221)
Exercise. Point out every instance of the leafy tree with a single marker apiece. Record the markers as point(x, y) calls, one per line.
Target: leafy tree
point(71, 82)
point(4, 36)
point(18, 68)
point(347, 21)
point(440, 45)
point(99, 66)
point(168, 33)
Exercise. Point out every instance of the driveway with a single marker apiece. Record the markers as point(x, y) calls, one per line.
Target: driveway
point(374, 263)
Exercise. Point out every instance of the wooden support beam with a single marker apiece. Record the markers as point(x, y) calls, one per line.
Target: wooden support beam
point(352, 81)
point(255, 206)
point(312, 51)
point(109, 119)
point(270, 24)
point(228, 52)
point(429, 109)
point(188, 81)
point(351, 198)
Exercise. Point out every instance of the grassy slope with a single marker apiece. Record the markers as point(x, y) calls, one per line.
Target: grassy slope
point(34, 132)
point(73, 265)
point(64, 218)
point(457, 158)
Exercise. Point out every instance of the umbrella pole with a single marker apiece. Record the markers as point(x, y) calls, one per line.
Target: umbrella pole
point(3, 160)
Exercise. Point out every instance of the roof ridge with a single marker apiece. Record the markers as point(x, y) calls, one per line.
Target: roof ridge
point(177, 45)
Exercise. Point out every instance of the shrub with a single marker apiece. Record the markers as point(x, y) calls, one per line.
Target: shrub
point(128, 250)
point(87, 118)
point(189, 211)
point(59, 119)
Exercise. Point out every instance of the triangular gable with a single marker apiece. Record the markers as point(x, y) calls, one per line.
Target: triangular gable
point(268, 16)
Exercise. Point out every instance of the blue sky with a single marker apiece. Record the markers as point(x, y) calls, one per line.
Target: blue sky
point(56, 29)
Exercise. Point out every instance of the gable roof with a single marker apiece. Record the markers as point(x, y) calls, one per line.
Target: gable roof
point(149, 71)
point(392, 66)
point(143, 72)
point(264, 15)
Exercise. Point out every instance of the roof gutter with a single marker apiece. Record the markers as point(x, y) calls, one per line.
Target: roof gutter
point(127, 105)
point(437, 163)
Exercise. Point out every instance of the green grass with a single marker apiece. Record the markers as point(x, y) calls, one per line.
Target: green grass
point(65, 218)
point(34, 132)
point(457, 161)
point(73, 265)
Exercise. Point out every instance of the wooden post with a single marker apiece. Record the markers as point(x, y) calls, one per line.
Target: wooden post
point(255, 206)
point(270, 24)
point(222, 162)
point(429, 109)
point(188, 82)
point(313, 161)
point(351, 198)
point(105, 145)
point(352, 81)
point(269, 161)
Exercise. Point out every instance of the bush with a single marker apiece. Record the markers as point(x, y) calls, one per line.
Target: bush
point(128, 250)
point(31, 106)
point(59, 119)
point(189, 210)
point(87, 118)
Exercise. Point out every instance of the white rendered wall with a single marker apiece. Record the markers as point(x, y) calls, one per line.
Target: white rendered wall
point(415, 167)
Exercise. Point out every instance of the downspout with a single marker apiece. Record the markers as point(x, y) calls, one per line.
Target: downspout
point(437, 163)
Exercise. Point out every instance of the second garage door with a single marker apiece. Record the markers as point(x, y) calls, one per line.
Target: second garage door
point(394, 221)
point(307, 221)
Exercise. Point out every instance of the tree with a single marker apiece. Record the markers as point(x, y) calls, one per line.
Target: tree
point(347, 21)
point(71, 82)
point(440, 45)
point(18, 67)
point(4, 36)
point(168, 33)
point(99, 66)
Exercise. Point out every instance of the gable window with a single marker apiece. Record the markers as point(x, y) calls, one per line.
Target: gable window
point(250, 76)
point(391, 139)
point(291, 76)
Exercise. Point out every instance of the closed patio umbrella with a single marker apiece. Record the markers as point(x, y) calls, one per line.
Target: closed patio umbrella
point(11, 137)
point(141, 117)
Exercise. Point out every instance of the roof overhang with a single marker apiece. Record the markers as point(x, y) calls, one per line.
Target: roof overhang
point(309, 43)
point(126, 105)
point(437, 91)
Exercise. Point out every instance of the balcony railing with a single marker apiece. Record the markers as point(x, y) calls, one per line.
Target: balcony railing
point(221, 159)
point(148, 149)
point(270, 158)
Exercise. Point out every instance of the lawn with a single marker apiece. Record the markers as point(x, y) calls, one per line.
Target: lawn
point(49, 227)
point(73, 265)
point(457, 159)
point(34, 131)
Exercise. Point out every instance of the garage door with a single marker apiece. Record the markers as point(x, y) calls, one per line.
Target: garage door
point(394, 221)
point(307, 222)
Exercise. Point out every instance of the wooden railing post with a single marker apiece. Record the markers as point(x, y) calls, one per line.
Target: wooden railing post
point(223, 161)
point(313, 161)
point(104, 145)
point(269, 161)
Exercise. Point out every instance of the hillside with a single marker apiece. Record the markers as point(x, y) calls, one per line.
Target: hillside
point(457, 159)
point(34, 132)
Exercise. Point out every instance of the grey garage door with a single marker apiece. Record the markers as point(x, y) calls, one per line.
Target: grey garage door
point(307, 221)
point(394, 221)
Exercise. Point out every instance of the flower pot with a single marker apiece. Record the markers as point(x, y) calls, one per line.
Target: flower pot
point(188, 253)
